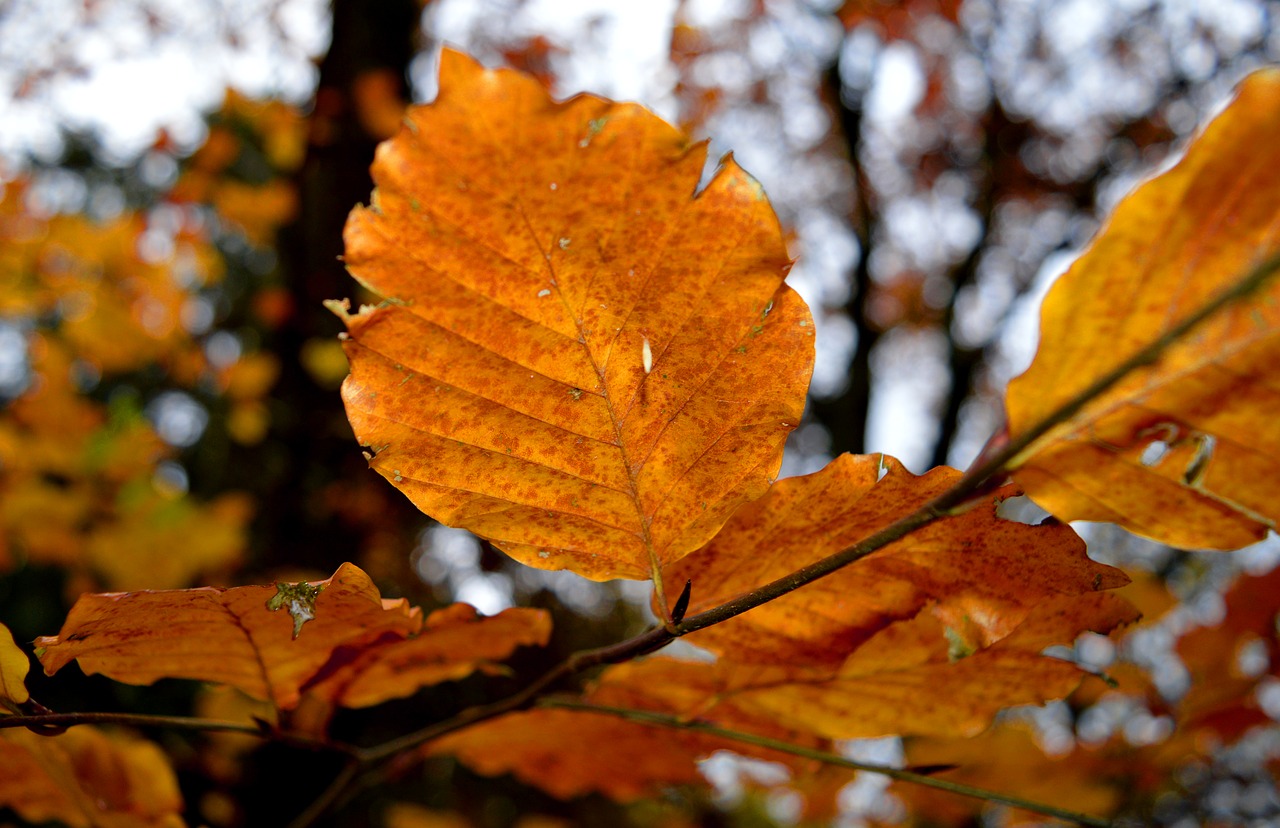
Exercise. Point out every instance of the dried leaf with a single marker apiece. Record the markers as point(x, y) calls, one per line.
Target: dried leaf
point(981, 574)
point(88, 778)
point(570, 753)
point(1007, 759)
point(529, 258)
point(454, 643)
point(1186, 450)
point(227, 636)
point(907, 679)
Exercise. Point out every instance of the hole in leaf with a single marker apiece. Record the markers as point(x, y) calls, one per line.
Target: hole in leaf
point(1154, 453)
point(1022, 509)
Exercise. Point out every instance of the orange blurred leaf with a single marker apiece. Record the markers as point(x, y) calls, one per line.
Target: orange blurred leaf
point(570, 753)
point(982, 574)
point(1186, 450)
point(88, 778)
point(227, 636)
point(579, 358)
point(1222, 695)
point(1006, 758)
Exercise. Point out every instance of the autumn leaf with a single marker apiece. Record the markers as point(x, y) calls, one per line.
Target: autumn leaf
point(227, 636)
point(88, 778)
point(1006, 758)
point(914, 676)
point(570, 753)
point(14, 665)
point(981, 574)
point(1222, 694)
point(454, 643)
point(906, 680)
point(1185, 450)
point(581, 357)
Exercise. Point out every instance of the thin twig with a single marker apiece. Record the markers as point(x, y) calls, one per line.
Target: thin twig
point(129, 719)
point(178, 723)
point(661, 720)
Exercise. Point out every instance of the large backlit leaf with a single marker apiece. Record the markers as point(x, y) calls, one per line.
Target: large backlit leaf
point(229, 636)
point(982, 573)
point(1185, 450)
point(581, 357)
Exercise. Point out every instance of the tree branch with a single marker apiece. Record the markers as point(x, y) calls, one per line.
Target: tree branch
point(662, 720)
point(986, 471)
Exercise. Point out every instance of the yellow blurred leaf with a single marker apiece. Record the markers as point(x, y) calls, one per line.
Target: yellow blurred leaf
point(14, 666)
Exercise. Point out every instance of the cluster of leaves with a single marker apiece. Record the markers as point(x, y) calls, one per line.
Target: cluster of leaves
point(593, 362)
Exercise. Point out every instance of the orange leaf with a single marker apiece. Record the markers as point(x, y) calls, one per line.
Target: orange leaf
point(227, 636)
point(14, 665)
point(1006, 758)
point(455, 642)
point(580, 358)
point(983, 574)
point(570, 753)
point(87, 777)
point(1186, 450)
point(907, 679)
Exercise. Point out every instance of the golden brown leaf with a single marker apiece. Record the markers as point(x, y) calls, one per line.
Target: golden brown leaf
point(14, 665)
point(1007, 759)
point(569, 753)
point(87, 777)
point(1186, 450)
point(454, 643)
point(982, 574)
point(579, 358)
point(910, 678)
point(227, 636)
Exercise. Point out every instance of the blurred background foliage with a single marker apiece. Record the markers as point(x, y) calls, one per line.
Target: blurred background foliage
point(176, 177)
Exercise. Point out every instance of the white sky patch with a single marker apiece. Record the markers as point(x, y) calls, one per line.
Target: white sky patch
point(618, 50)
point(124, 70)
point(899, 84)
point(1021, 334)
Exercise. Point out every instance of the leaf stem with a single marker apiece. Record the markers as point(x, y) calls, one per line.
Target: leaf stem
point(662, 720)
